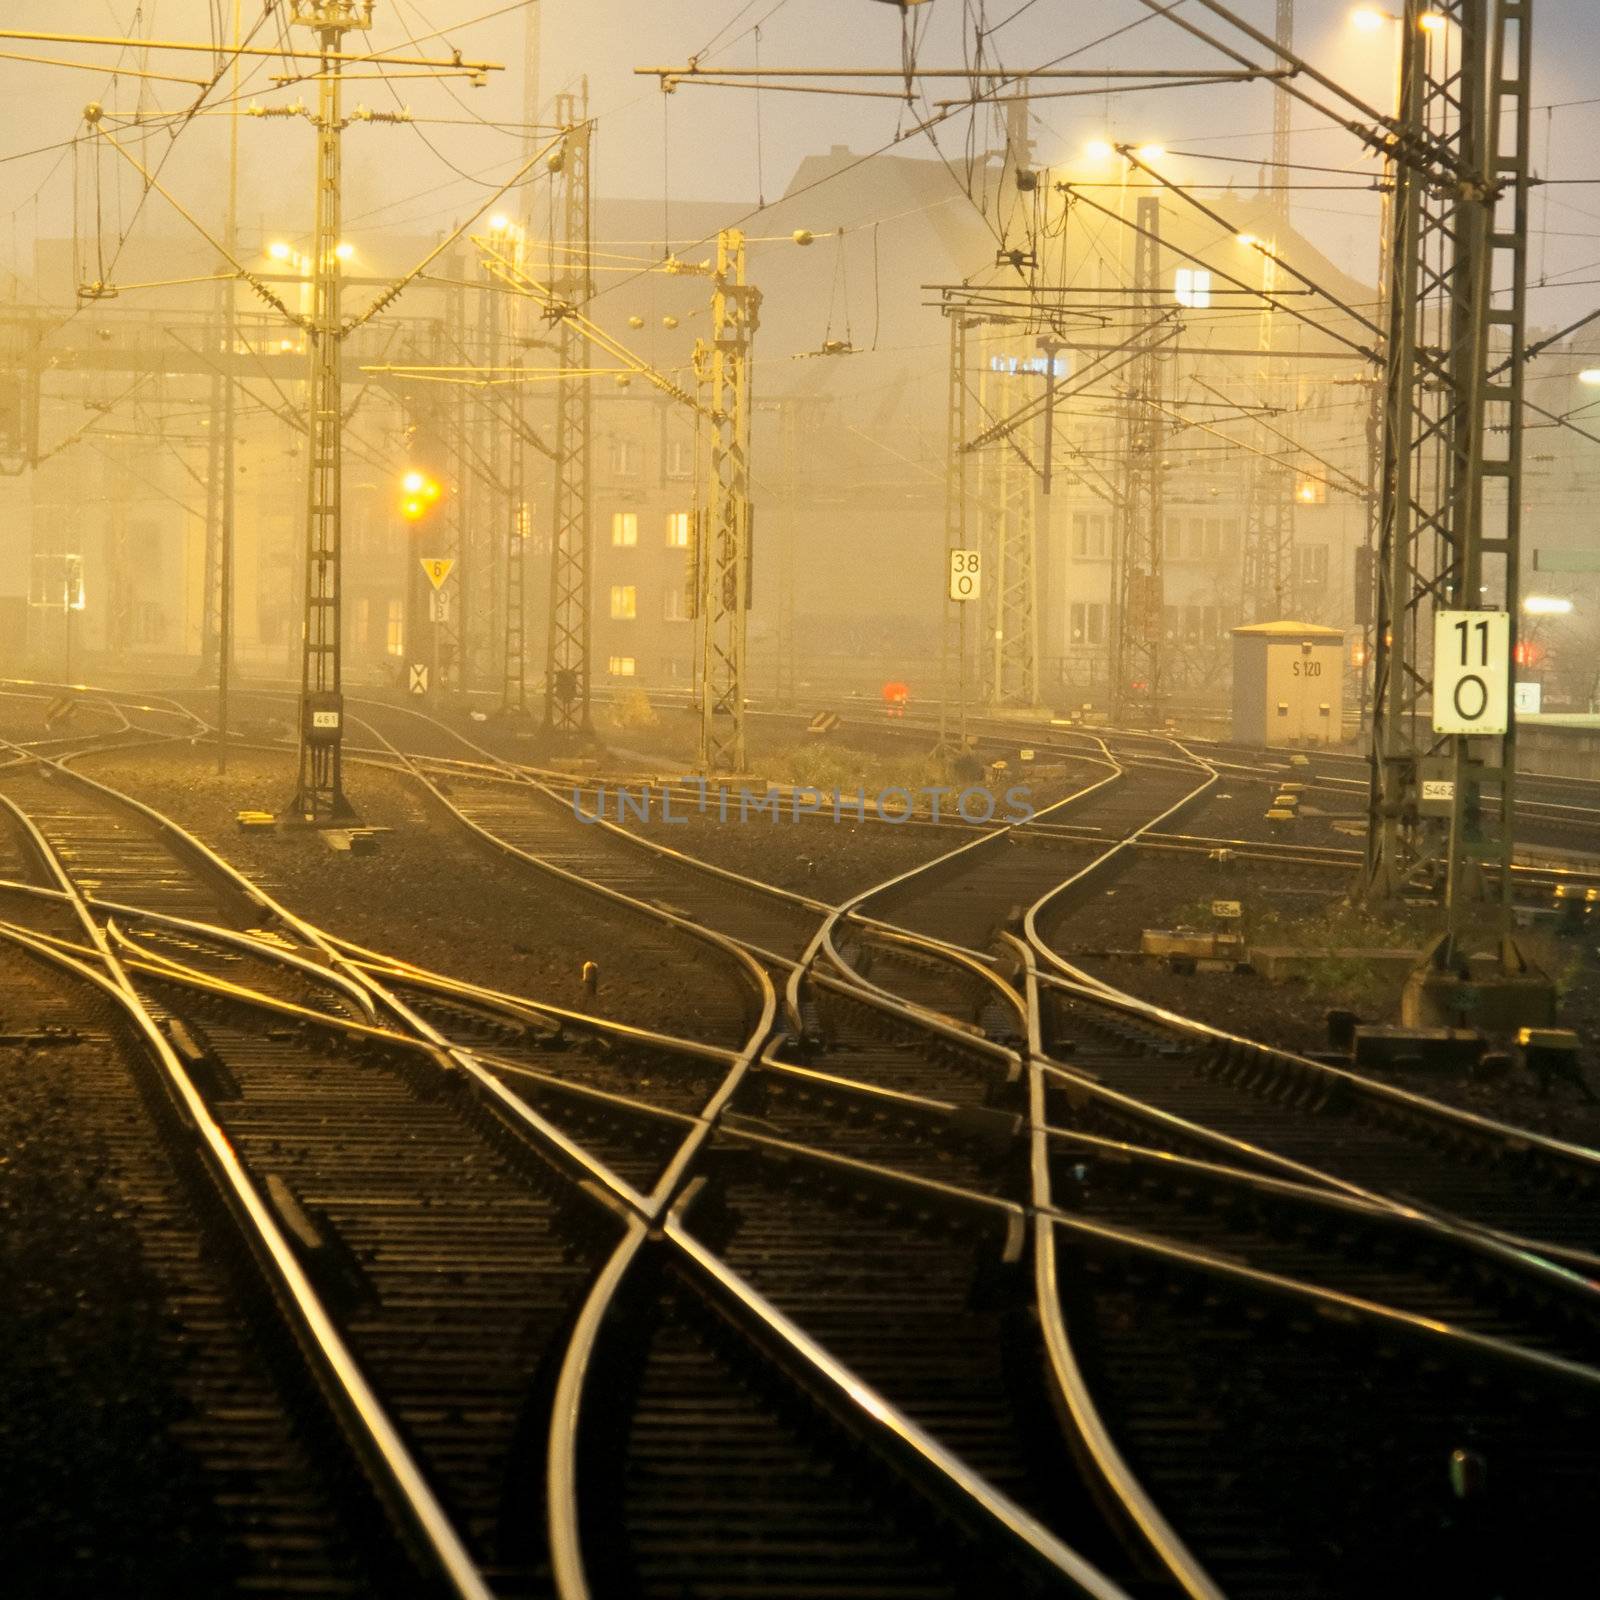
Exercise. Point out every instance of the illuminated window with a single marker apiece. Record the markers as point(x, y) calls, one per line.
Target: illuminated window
point(677, 530)
point(395, 637)
point(363, 621)
point(625, 528)
point(1192, 288)
point(624, 601)
point(622, 666)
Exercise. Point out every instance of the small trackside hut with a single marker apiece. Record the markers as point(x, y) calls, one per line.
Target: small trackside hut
point(1288, 684)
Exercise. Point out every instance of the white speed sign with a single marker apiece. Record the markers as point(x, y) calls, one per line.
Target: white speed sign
point(966, 575)
point(1471, 671)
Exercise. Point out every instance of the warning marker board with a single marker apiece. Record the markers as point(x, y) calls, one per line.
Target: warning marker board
point(438, 569)
point(1471, 672)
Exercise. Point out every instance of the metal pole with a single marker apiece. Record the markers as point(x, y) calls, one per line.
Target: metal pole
point(230, 340)
point(319, 796)
point(723, 362)
point(567, 644)
point(1453, 422)
point(1138, 618)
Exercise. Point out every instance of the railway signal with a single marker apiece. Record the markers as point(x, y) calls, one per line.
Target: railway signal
point(420, 495)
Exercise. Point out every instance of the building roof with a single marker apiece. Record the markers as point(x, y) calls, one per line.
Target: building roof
point(1287, 630)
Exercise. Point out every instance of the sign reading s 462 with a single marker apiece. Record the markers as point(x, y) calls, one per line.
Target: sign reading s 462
point(1471, 671)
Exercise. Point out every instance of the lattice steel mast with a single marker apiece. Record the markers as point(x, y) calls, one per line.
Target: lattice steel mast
point(1268, 552)
point(1138, 584)
point(1268, 548)
point(722, 554)
point(1282, 104)
point(1011, 589)
point(319, 795)
point(519, 517)
point(1453, 430)
point(953, 640)
point(567, 644)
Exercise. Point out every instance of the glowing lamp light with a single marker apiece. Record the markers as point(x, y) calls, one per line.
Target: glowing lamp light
point(1150, 152)
point(1098, 149)
point(278, 250)
point(411, 509)
point(1590, 376)
point(499, 222)
point(412, 482)
point(1308, 493)
point(1248, 240)
point(1433, 21)
point(343, 252)
point(1368, 19)
point(1546, 605)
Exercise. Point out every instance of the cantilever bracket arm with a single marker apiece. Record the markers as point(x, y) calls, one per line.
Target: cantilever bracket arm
point(400, 285)
point(559, 309)
point(256, 283)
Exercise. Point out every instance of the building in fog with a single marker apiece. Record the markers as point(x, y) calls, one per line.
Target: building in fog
point(849, 452)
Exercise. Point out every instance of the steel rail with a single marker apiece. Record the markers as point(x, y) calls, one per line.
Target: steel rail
point(379, 1438)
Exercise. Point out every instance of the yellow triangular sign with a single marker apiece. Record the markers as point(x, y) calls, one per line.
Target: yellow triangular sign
point(438, 568)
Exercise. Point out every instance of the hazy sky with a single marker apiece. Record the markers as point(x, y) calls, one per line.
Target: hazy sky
point(704, 143)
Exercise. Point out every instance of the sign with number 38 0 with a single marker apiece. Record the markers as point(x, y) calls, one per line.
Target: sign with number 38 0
point(1471, 671)
point(966, 579)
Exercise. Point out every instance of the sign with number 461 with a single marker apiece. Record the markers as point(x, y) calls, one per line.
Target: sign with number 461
point(1471, 671)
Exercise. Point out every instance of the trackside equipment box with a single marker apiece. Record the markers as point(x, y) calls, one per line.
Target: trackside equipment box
point(1288, 684)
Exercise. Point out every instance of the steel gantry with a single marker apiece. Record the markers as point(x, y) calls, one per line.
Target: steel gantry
point(567, 642)
point(319, 795)
point(721, 551)
point(1138, 617)
point(1441, 808)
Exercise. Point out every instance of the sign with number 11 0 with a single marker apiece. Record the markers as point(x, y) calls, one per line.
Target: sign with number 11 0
point(1471, 671)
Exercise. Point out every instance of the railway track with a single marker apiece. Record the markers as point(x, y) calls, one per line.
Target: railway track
point(762, 1228)
point(365, 1161)
point(200, 1407)
point(1296, 1115)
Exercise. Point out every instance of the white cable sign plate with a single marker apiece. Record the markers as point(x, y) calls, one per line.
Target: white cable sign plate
point(1471, 671)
